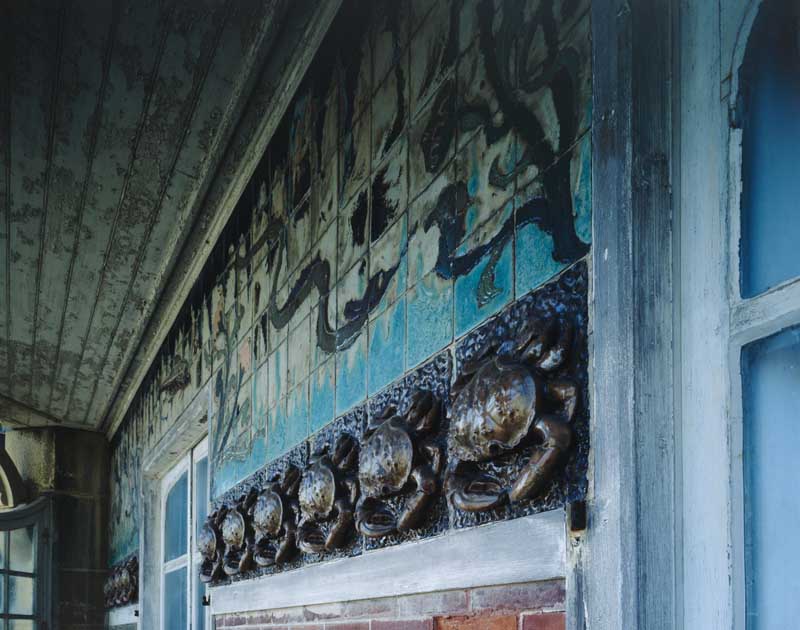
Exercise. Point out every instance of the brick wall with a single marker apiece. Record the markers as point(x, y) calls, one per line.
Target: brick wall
point(530, 606)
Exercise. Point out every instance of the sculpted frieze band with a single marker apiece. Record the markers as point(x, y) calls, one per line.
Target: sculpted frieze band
point(502, 435)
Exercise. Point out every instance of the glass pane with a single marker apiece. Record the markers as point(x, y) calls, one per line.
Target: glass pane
point(199, 609)
point(3, 538)
point(2, 593)
point(20, 624)
point(771, 390)
point(769, 106)
point(20, 557)
point(175, 519)
point(201, 493)
point(175, 600)
point(20, 595)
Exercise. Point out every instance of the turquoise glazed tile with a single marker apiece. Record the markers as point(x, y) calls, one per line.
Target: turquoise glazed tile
point(533, 264)
point(431, 211)
point(581, 171)
point(389, 263)
point(322, 396)
point(351, 374)
point(430, 317)
point(387, 341)
point(350, 295)
point(277, 374)
point(260, 395)
point(487, 170)
point(276, 430)
point(484, 289)
point(297, 415)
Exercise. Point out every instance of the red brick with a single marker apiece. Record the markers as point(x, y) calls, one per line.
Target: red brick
point(530, 596)
point(441, 603)
point(544, 621)
point(403, 624)
point(352, 625)
point(481, 622)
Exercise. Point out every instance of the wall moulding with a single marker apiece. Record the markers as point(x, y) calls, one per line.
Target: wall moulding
point(527, 549)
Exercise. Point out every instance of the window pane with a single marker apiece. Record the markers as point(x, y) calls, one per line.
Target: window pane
point(770, 111)
point(20, 624)
point(3, 538)
point(201, 493)
point(2, 593)
point(20, 557)
point(175, 519)
point(175, 600)
point(20, 595)
point(771, 390)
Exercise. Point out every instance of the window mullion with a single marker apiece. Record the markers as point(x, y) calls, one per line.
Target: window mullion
point(766, 314)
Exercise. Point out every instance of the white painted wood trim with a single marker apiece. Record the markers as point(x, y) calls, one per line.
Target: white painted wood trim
point(122, 616)
point(521, 550)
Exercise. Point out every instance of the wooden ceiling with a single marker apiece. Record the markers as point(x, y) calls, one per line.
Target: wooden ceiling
point(114, 118)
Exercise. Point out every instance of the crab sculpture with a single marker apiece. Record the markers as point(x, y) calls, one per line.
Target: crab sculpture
point(328, 491)
point(275, 522)
point(122, 585)
point(211, 546)
point(237, 534)
point(397, 457)
point(507, 399)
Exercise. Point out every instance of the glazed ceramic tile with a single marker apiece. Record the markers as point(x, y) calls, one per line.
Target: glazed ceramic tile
point(355, 61)
point(353, 232)
point(352, 300)
point(430, 317)
point(276, 430)
point(278, 367)
point(299, 354)
point(324, 197)
point(351, 373)
point(389, 35)
point(432, 139)
point(487, 170)
point(301, 135)
point(389, 112)
point(296, 415)
point(322, 395)
point(388, 266)
point(558, 96)
point(387, 340)
point(483, 284)
point(298, 233)
point(389, 190)
point(433, 56)
point(431, 227)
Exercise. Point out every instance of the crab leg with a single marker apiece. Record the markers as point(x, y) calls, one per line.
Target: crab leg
point(556, 436)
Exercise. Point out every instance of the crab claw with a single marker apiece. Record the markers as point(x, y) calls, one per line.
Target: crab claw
point(472, 490)
point(374, 518)
point(556, 438)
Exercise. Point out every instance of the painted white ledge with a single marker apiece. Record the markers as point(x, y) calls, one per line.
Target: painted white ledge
point(522, 550)
point(123, 616)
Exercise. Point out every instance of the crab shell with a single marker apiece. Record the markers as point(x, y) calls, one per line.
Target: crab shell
point(207, 541)
point(268, 513)
point(317, 490)
point(233, 529)
point(494, 412)
point(385, 460)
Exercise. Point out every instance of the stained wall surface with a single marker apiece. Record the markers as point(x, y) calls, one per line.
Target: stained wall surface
point(433, 167)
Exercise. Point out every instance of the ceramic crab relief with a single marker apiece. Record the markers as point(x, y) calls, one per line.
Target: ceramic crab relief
point(328, 491)
point(402, 458)
point(517, 434)
point(122, 584)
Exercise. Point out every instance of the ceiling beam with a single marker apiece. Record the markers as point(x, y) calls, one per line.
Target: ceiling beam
point(17, 415)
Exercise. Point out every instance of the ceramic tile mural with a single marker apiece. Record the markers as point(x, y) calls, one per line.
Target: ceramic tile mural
point(433, 167)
